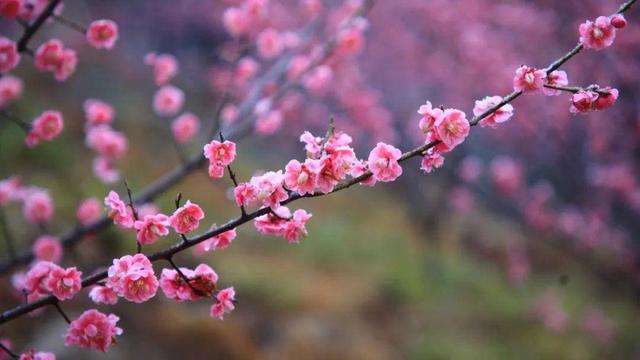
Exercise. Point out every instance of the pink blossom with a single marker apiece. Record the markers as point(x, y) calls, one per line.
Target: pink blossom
point(598, 325)
point(470, 168)
point(152, 227)
point(203, 279)
point(604, 101)
point(88, 211)
point(350, 41)
point(302, 177)
point(431, 162)
point(528, 78)
point(52, 56)
point(40, 355)
point(269, 123)
point(105, 170)
point(318, 80)
point(452, 128)
point(549, 310)
point(48, 248)
point(93, 329)
point(165, 67)
point(583, 101)
point(618, 21)
point(10, 9)
point(220, 153)
point(64, 284)
point(269, 44)
point(102, 34)
point(120, 212)
point(225, 303)
point(358, 169)
point(235, 21)
point(9, 189)
point(168, 100)
point(246, 69)
point(270, 188)
point(245, 194)
point(48, 55)
point(229, 114)
point(97, 112)
point(597, 35)
point(9, 56)
point(556, 78)
point(429, 117)
point(38, 207)
point(313, 144)
point(256, 9)
point(218, 242)
point(383, 162)
point(297, 66)
point(35, 282)
point(46, 127)
point(273, 224)
point(186, 218)
point(499, 116)
point(185, 128)
point(295, 227)
point(132, 277)
point(100, 294)
point(107, 142)
point(10, 89)
point(506, 174)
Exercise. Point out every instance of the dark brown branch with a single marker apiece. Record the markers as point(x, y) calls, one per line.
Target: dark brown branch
point(35, 26)
point(170, 252)
point(8, 351)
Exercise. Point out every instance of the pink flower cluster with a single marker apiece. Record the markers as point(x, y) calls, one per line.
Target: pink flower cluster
point(102, 34)
point(46, 278)
point(186, 218)
point(151, 228)
point(25, 9)
point(168, 100)
point(225, 303)
point(39, 355)
point(9, 56)
point(220, 154)
point(449, 127)
point(185, 128)
point(109, 144)
point(165, 67)
point(599, 34)
point(10, 89)
point(121, 213)
point(93, 329)
point(45, 127)
point(89, 210)
point(218, 242)
point(132, 278)
point(37, 205)
point(54, 57)
point(499, 116)
point(203, 279)
point(48, 248)
point(282, 223)
point(587, 100)
point(245, 18)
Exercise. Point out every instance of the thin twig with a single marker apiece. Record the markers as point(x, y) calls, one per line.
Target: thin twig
point(56, 304)
point(70, 23)
point(8, 351)
point(26, 127)
point(575, 89)
point(135, 213)
point(184, 277)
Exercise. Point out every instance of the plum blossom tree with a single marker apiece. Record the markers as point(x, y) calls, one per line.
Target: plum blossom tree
point(284, 60)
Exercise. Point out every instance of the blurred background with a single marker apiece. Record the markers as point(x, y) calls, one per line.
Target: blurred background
point(524, 244)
